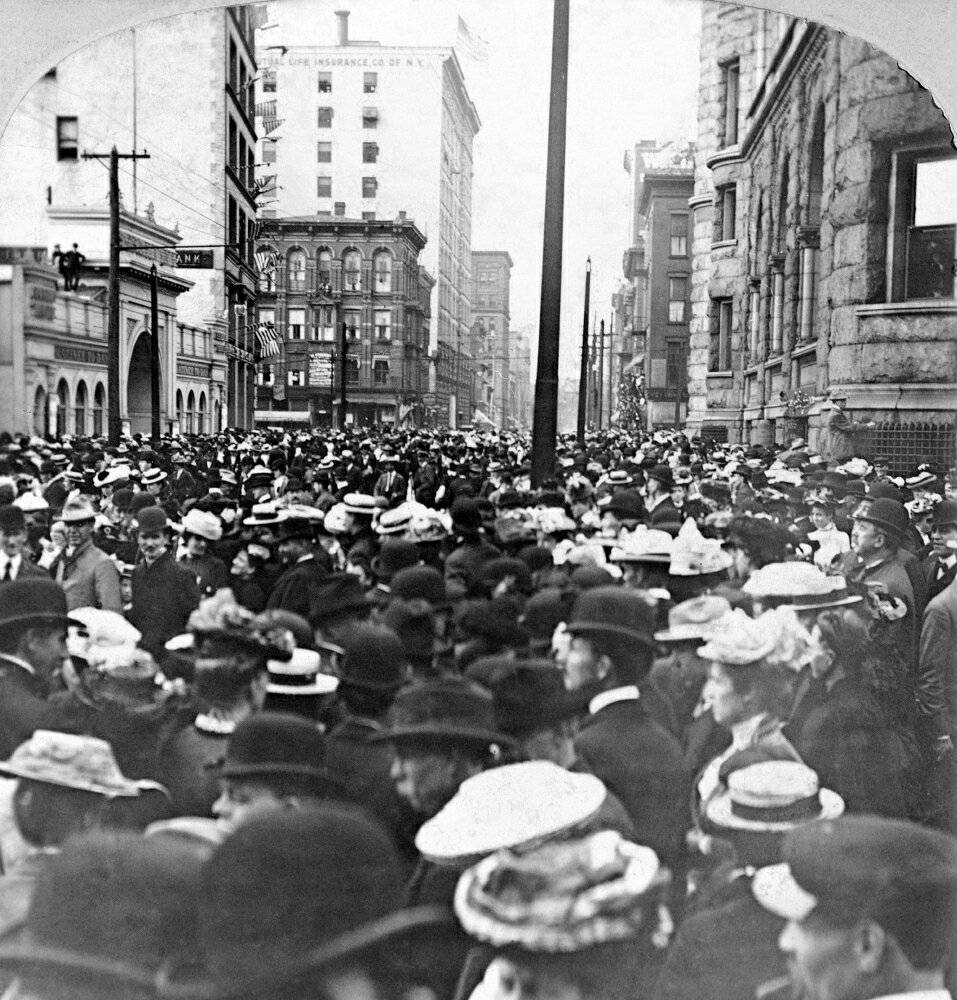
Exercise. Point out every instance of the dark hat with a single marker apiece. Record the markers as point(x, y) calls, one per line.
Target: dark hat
point(294, 527)
point(452, 708)
point(663, 474)
point(394, 555)
point(586, 577)
point(945, 513)
point(373, 658)
point(527, 695)
point(122, 499)
point(495, 620)
point(12, 521)
point(899, 875)
point(290, 892)
point(466, 514)
point(627, 505)
point(414, 623)
point(884, 491)
point(420, 581)
point(613, 611)
point(274, 743)
point(855, 488)
point(536, 557)
point(889, 515)
point(279, 618)
point(33, 600)
point(495, 571)
point(335, 594)
point(151, 519)
point(112, 906)
point(141, 501)
point(542, 615)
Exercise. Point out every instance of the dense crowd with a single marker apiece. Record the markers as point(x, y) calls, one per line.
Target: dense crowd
point(362, 714)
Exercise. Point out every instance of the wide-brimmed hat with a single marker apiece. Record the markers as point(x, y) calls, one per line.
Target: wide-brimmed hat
point(203, 523)
point(222, 619)
point(613, 611)
point(78, 509)
point(275, 743)
point(889, 515)
point(450, 708)
point(771, 796)
point(695, 555)
point(561, 897)
point(111, 475)
point(108, 908)
point(152, 477)
point(84, 763)
point(395, 521)
point(300, 675)
point(362, 503)
point(776, 637)
point(517, 806)
point(799, 585)
point(644, 545)
point(691, 620)
point(33, 600)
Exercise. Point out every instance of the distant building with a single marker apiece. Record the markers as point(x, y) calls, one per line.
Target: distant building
point(490, 342)
point(322, 278)
point(361, 129)
point(522, 400)
point(824, 239)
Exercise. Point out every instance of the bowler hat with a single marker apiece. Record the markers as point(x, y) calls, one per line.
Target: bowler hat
point(149, 520)
point(373, 658)
point(626, 505)
point(889, 515)
point(33, 600)
point(613, 611)
point(420, 581)
point(12, 521)
point(394, 555)
point(945, 514)
point(663, 474)
point(466, 514)
point(275, 743)
point(450, 708)
point(414, 623)
point(334, 595)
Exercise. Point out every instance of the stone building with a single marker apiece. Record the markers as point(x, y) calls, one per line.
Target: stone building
point(326, 284)
point(823, 240)
point(490, 342)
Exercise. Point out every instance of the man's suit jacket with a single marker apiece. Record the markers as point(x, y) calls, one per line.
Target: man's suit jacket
point(27, 571)
point(641, 763)
point(295, 589)
point(23, 707)
point(938, 577)
point(938, 649)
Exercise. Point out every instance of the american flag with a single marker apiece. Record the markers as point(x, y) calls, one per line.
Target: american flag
point(268, 340)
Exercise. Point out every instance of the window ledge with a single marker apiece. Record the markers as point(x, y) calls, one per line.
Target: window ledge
point(945, 306)
point(802, 349)
point(727, 374)
point(775, 361)
point(720, 244)
point(727, 155)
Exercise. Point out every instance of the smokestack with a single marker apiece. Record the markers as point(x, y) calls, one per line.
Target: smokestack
point(342, 27)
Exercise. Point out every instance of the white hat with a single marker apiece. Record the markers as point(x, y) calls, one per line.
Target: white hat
point(28, 502)
point(694, 555)
point(300, 675)
point(650, 545)
point(203, 523)
point(799, 585)
point(776, 636)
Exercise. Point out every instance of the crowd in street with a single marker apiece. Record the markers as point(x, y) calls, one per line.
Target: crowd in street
point(360, 714)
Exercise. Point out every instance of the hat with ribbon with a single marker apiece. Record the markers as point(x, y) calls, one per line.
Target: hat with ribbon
point(78, 510)
point(798, 585)
point(152, 477)
point(643, 545)
point(690, 621)
point(775, 637)
point(301, 675)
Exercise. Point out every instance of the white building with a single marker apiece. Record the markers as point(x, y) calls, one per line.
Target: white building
point(367, 130)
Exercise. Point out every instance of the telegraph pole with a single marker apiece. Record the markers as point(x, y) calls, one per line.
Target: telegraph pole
point(583, 374)
point(154, 357)
point(601, 373)
point(113, 280)
point(343, 350)
point(545, 422)
point(611, 366)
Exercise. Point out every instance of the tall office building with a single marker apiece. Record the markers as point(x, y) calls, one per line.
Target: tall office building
point(366, 130)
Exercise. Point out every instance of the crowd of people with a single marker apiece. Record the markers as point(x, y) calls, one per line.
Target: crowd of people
point(362, 715)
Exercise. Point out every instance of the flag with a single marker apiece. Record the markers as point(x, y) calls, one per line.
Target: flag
point(471, 44)
point(627, 161)
point(268, 339)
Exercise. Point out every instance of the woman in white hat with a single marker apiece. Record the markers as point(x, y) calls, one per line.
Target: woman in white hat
point(201, 529)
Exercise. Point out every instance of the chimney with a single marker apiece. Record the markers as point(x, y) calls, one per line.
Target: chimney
point(401, 216)
point(342, 27)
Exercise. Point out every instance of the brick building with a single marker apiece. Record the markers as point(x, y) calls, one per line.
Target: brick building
point(824, 219)
point(490, 341)
point(325, 279)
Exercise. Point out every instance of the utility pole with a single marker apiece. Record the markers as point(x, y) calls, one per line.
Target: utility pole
point(113, 280)
point(611, 367)
point(583, 374)
point(343, 351)
point(601, 373)
point(154, 356)
point(545, 423)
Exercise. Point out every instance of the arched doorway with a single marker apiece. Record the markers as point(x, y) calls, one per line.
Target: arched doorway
point(40, 411)
point(191, 413)
point(217, 416)
point(201, 417)
point(138, 388)
point(80, 404)
point(99, 404)
point(179, 409)
point(62, 406)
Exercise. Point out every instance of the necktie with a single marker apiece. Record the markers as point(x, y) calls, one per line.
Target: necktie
point(8, 570)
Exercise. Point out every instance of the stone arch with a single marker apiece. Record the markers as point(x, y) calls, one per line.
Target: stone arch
point(139, 381)
point(40, 411)
point(179, 408)
point(81, 403)
point(63, 406)
point(99, 408)
point(201, 427)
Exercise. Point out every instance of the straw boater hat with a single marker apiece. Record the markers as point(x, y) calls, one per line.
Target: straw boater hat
point(202, 523)
point(301, 675)
point(691, 621)
point(798, 585)
point(516, 806)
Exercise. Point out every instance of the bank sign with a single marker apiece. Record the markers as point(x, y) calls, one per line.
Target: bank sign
point(194, 258)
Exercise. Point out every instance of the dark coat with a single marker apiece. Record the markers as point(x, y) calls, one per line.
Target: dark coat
point(938, 654)
point(938, 577)
point(641, 763)
point(295, 589)
point(28, 570)
point(188, 768)
point(210, 573)
point(164, 596)
point(23, 708)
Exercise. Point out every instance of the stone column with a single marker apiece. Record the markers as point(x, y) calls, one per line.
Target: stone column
point(809, 239)
point(776, 262)
point(754, 318)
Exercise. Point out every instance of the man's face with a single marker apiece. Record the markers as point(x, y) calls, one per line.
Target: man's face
point(154, 489)
point(78, 532)
point(240, 801)
point(12, 542)
point(881, 469)
point(151, 543)
point(582, 666)
point(820, 960)
point(196, 546)
point(426, 779)
point(46, 649)
point(941, 535)
point(866, 539)
point(290, 549)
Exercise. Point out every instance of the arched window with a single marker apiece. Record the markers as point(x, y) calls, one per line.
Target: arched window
point(352, 270)
point(62, 406)
point(99, 403)
point(296, 271)
point(201, 416)
point(79, 409)
point(179, 408)
point(382, 269)
point(40, 411)
point(324, 272)
point(191, 413)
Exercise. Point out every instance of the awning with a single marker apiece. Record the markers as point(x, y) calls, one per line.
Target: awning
point(282, 416)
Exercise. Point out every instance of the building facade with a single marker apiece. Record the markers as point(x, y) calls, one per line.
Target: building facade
point(520, 413)
point(491, 341)
point(190, 192)
point(329, 284)
point(824, 220)
point(360, 129)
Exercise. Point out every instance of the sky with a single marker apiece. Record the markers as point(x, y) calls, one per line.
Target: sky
point(633, 74)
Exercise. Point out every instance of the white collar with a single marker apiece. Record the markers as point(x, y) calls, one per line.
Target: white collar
point(606, 698)
point(742, 733)
point(14, 561)
point(949, 561)
point(306, 558)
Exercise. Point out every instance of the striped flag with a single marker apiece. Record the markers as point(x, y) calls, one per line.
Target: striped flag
point(268, 340)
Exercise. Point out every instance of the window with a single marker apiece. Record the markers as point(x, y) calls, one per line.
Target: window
point(296, 376)
point(325, 83)
point(269, 151)
point(719, 354)
point(269, 80)
point(296, 324)
point(326, 324)
point(99, 404)
point(67, 139)
point(370, 152)
point(679, 234)
point(353, 324)
point(380, 372)
point(369, 187)
point(351, 267)
point(297, 271)
point(730, 77)
point(677, 297)
point(324, 186)
point(674, 364)
point(352, 371)
point(925, 218)
point(340, 208)
point(370, 118)
point(368, 216)
point(382, 269)
point(266, 376)
point(324, 152)
point(728, 211)
point(370, 81)
point(324, 272)
point(324, 118)
point(383, 324)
